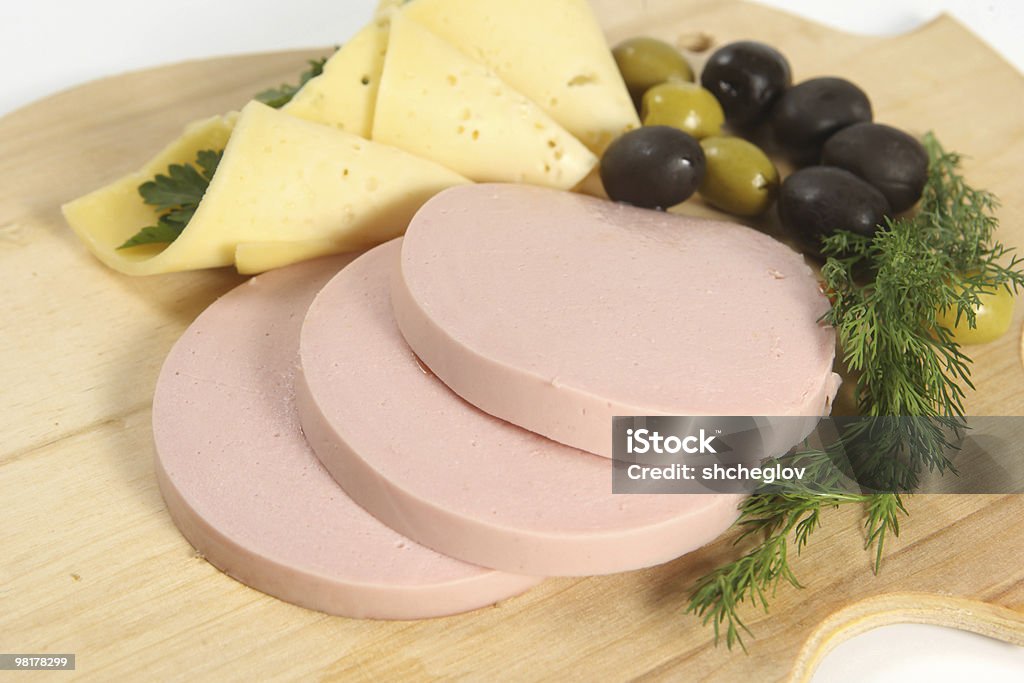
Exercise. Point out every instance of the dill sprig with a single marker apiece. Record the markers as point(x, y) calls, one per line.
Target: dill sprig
point(756, 575)
point(887, 291)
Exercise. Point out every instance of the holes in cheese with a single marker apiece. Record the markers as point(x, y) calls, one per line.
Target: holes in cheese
point(552, 51)
point(344, 94)
point(282, 179)
point(437, 103)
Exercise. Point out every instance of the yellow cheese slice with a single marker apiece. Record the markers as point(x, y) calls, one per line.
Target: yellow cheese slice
point(281, 179)
point(552, 51)
point(258, 257)
point(105, 218)
point(344, 94)
point(439, 104)
point(385, 7)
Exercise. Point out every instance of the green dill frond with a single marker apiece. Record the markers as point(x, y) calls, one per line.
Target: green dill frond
point(887, 291)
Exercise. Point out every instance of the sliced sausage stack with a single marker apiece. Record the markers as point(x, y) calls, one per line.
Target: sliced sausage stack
point(431, 430)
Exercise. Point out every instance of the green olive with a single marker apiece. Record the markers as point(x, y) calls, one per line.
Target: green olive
point(646, 62)
point(739, 177)
point(992, 318)
point(685, 106)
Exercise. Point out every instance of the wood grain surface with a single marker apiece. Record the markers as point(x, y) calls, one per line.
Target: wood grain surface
point(90, 562)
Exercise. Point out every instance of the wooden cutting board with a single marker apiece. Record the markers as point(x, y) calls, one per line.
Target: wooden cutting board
point(90, 562)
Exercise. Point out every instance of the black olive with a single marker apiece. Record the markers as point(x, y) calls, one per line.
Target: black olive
point(886, 157)
point(809, 113)
point(654, 167)
point(817, 201)
point(747, 77)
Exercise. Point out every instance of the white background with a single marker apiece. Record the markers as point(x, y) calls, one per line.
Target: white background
point(48, 45)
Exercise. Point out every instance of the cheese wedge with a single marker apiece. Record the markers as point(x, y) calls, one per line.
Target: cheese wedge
point(552, 51)
point(343, 96)
point(439, 104)
point(281, 179)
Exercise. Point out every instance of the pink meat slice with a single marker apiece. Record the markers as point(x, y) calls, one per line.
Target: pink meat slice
point(557, 311)
point(456, 479)
point(246, 490)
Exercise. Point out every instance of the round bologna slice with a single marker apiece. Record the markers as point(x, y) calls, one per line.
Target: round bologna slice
point(457, 479)
point(245, 489)
point(557, 312)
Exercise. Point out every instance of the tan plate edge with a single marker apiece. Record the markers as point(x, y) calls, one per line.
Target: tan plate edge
point(963, 614)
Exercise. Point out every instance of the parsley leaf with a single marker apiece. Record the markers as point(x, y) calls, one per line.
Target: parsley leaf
point(208, 160)
point(177, 194)
point(161, 233)
point(283, 94)
point(179, 187)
